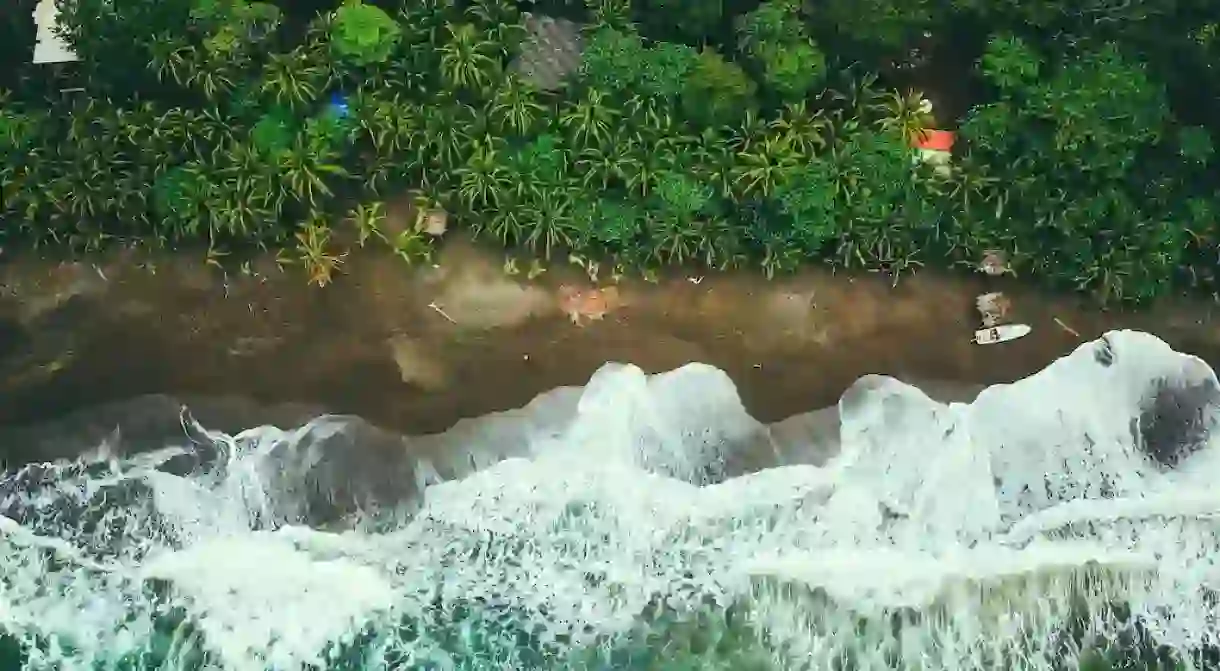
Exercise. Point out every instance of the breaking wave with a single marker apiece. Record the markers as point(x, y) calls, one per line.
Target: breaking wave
point(646, 522)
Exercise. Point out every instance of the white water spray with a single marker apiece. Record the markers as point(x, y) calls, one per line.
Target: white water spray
point(1009, 533)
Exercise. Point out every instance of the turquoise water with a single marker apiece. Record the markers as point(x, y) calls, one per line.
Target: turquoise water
point(1030, 529)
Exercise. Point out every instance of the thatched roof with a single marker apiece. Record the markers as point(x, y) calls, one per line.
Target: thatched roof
point(551, 51)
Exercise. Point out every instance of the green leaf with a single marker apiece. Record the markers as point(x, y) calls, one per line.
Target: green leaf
point(1195, 144)
point(682, 195)
point(363, 34)
point(1009, 63)
point(272, 134)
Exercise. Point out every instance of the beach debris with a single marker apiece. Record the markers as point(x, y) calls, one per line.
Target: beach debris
point(994, 308)
point(1002, 333)
point(995, 263)
point(440, 311)
point(695, 280)
point(433, 221)
point(1067, 328)
point(592, 304)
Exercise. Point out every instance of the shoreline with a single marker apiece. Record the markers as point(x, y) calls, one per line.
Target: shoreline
point(416, 349)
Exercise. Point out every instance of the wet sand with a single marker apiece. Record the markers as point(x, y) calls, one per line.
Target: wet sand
point(415, 350)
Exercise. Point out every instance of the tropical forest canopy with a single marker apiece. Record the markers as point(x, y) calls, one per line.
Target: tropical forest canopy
point(691, 131)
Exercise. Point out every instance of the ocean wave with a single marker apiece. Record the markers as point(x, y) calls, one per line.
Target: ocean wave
point(642, 522)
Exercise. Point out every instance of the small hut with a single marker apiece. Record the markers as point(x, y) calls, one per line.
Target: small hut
point(934, 147)
point(550, 53)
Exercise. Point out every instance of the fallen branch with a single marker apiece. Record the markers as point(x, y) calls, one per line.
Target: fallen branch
point(441, 312)
point(1067, 328)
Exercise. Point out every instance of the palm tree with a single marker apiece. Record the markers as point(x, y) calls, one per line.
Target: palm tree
point(910, 115)
point(514, 107)
point(501, 19)
point(446, 133)
point(466, 62)
point(548, 221)
point(752, 130)
point(972, 186)
point(293, 80)
point(530, 176)
point(13, 175)
point(674, 240)
point(651, 115)
point(613, 13)
point(423, 21)
point(305, 169)
point(860, 99)
point(713, 161)
point(483, 181)
point(170, 59)
point(251, 197)
point(367, 219)
point(242, 210)
point(84, 190)
point(589, 120)
point(803, 130)
point(650, 163)
point(761, 168)
point(390, 125)
point(197, 132)
point(608, 164)
point(412, 246)
point(980, 202)
point(506, 224)
point(215, 78)
point(387, 172)
point(779, 256)
point(315, 254)
point(719, 243)
point(144, 136)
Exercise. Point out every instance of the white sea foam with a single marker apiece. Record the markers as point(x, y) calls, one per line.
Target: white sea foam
point(1004, 533)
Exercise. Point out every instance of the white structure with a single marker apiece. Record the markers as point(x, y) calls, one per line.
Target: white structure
point(49, 45)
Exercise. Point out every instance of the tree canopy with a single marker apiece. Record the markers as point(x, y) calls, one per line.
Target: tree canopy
point(750, 134)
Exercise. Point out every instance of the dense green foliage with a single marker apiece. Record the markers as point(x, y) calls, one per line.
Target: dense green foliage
point(694, 131)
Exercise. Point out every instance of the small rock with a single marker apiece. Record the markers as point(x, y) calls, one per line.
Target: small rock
point(1177, 418)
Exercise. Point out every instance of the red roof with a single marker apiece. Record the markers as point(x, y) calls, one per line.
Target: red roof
point(935, 140)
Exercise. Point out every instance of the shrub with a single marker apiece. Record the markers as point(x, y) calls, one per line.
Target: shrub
point(363, 34)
